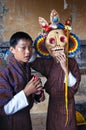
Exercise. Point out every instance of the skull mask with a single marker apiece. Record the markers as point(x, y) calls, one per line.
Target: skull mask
point(56, 42)
point(56, 38)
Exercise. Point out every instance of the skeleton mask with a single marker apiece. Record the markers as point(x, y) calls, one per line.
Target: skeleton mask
point(56, 42)
point(54, 39)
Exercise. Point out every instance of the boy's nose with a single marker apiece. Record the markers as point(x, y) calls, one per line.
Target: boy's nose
point(27, 51)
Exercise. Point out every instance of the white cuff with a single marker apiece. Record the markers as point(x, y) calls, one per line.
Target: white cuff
point(71, 80)
point(18, 102)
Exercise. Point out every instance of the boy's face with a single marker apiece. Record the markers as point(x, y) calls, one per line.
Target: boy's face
point(22, 51)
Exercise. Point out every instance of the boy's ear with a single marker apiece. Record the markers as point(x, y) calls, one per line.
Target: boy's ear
point(12, 49)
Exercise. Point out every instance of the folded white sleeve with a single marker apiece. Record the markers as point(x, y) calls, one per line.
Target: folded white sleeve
point(71, 80)
point(18, 102)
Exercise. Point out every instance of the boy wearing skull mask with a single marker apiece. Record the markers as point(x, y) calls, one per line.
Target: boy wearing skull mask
point(59, 69)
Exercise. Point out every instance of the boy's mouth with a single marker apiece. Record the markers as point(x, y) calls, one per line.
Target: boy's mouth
point(27, 57)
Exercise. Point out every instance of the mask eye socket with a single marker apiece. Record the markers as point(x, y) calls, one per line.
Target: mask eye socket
point(62, 39)
point(52, 40)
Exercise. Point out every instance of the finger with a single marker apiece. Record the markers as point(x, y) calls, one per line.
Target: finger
point(42, 97)
point(36, 83)
point(32, 79)
point(39, 88)
point(61, 57)
point(58, 58)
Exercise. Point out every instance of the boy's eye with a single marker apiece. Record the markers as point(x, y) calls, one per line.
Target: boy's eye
point(30, 48)
point(26, 48)
point(23, 48)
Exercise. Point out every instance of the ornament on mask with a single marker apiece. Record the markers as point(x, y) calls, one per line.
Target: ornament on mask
point(74, 45)
point(54, 34)
point(40, 48)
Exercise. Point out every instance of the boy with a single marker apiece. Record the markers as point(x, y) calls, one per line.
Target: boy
point(51, 45)
point(17, 86)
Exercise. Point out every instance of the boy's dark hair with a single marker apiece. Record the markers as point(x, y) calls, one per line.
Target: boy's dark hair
point(17, 36)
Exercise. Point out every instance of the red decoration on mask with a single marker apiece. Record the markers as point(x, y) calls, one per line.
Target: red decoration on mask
point(46, 28)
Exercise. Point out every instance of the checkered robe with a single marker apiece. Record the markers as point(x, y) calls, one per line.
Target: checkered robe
point(55, 87)
point(13, 79)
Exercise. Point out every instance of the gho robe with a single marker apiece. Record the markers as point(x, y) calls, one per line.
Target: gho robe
point(55, 87)
point(13, 79)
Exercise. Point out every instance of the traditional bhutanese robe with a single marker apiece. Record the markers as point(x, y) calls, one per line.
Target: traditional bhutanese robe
point(13, 79)
point(55, 87)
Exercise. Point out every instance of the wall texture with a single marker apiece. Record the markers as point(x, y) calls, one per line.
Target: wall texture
point(22, 15)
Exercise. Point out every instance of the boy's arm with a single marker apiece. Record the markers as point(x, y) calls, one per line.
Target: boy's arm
point(71, 80)
point(18, 102)
point(42, 65)
point(75, 71)
point(9, 103)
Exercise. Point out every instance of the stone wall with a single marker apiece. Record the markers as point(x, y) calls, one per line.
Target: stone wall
point(19, 15)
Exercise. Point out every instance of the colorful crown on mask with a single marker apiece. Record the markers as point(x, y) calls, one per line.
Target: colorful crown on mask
point(39, 43)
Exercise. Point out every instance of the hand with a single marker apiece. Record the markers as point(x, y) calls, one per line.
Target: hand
point(62, 59)
point(33, 86)
point(39, 96)
point(42, 96)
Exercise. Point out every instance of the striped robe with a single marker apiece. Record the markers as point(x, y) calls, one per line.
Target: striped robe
point(56, 115)
point(13, 79)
